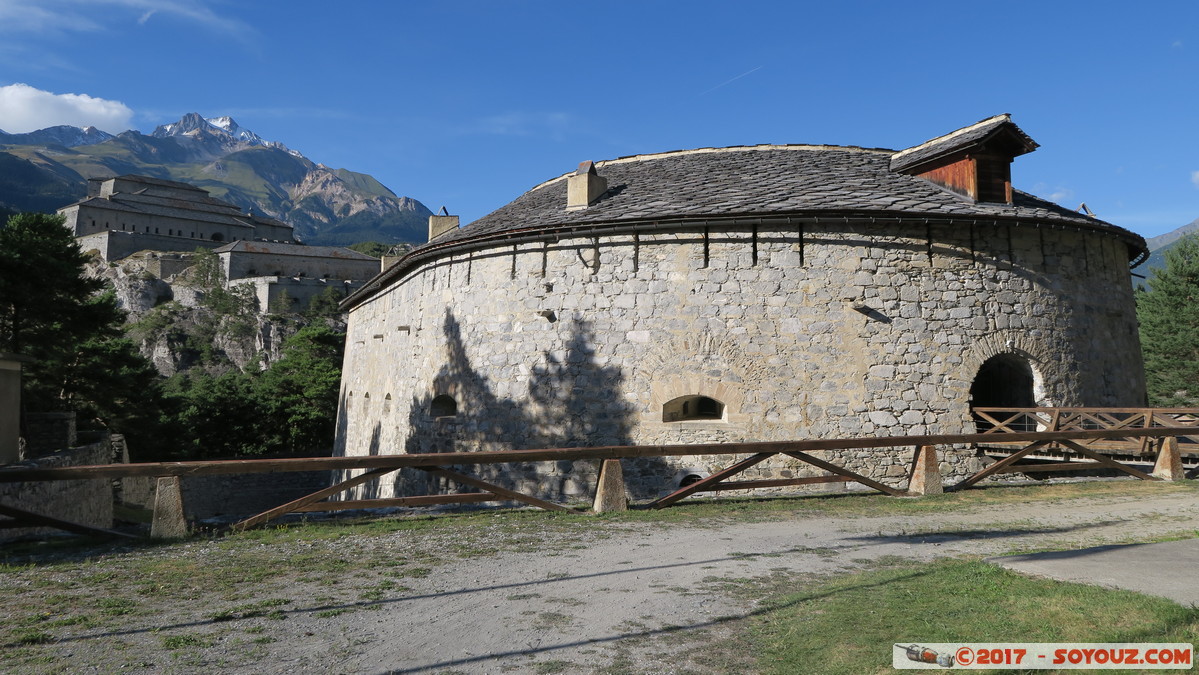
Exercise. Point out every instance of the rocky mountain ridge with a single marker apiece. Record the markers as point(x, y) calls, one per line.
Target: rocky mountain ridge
point(215, 137)
point(48, 169)
point(60, 135)
point(1163, 242)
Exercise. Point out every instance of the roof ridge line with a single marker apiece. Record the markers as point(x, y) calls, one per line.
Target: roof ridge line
point(627, 159)
point(1005, 117)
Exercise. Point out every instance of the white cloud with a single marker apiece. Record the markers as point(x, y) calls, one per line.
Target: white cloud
point(552, 125)
point(1057, 194)
point(1061, 194)
point(24, 108)
point(38, 16)
point(523, 124)
point(66, 16)
point(1195, 178)
point(191, 11)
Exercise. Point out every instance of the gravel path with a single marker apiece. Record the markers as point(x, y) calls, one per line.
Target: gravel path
point(622, 599)
point(611, 597)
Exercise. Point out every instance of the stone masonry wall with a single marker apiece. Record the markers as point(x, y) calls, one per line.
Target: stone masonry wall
point(47, 433)
point(184, 229)
point(115, 245)
point(247, 494)
point(233, 495)
point(242, 264)
point(87, 502)
point(299, 292)
point(841, 331)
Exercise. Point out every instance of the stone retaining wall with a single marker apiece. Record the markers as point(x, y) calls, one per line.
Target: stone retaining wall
point(115, 245)
point(230, 496)
point(247, 494)
point(47, 433)
point(87, 502)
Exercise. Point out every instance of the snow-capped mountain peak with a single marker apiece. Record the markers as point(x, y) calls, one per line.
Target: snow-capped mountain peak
point(231, 127)
point(193, 125)
point(225, 123)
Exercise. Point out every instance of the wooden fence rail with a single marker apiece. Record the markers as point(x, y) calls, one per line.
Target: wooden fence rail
point(1000, 422)
point(236, 466)
point(440, 463)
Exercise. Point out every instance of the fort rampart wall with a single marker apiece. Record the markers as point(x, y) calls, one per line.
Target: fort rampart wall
point(799, 331)
point(115, 245)
point(241, 264)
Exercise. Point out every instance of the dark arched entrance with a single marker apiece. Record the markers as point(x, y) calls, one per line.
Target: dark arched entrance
point(1003, 381)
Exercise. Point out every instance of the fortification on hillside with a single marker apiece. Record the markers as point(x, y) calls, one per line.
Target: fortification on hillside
point(742, 294)
point(126, 214)
point(130, 214)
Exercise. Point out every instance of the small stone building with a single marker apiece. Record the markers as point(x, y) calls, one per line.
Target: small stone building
point(243, 259)
point(757, 293)
point(127, 214)
point(293, 273)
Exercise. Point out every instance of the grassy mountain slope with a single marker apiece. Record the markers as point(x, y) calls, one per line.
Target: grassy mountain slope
point(29, 185)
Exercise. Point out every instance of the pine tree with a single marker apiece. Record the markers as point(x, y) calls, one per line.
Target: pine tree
point(1169, 316)
point(298, 393)
point(50, 311)
point(44, 297)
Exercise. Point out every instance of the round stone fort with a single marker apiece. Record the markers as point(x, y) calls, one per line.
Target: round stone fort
point(757, 293)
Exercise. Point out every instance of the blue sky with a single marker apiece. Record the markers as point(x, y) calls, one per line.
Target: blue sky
point(468, 104)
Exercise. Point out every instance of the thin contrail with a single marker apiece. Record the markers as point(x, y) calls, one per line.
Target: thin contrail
point(748, 72)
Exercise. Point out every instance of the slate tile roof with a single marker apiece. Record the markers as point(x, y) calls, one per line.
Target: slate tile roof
point(189, 211)
point(803, 181)
point(150, 180)
point(277, 248)
point(962, 138)
point(758, 181)
point(193, 204)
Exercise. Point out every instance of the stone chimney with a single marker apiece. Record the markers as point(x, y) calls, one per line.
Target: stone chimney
point(584, 187)
point(441, 223)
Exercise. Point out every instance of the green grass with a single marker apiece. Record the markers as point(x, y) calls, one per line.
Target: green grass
point(175, 642)
point(849, 624)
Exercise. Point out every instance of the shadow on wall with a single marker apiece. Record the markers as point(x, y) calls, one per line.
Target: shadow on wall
point(572, 401)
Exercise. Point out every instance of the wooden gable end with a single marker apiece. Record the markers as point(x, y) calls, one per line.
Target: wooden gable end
point(983, 177)
point(975, 161)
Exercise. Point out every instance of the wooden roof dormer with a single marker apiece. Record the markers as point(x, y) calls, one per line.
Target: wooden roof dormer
point(974, 161)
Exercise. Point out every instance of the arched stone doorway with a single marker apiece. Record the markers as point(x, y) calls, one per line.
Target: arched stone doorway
point(1003, 381)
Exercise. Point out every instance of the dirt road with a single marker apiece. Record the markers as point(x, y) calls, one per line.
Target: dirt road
point(600, 596)
point(622, 599)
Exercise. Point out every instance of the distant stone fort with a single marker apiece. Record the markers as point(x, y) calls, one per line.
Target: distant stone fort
point(127, 214)
point(755, 293)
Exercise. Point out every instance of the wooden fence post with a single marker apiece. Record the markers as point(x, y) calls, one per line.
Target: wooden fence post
point(169, 521)
point(610, 494)
point(926, 472)
point(1169, 462)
